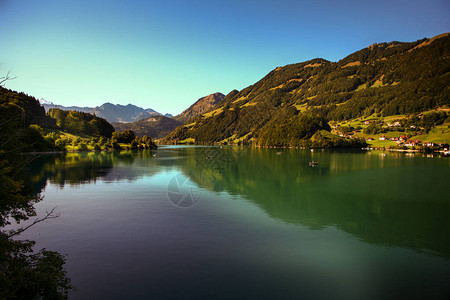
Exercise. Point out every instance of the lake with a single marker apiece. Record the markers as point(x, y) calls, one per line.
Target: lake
point(244, 223)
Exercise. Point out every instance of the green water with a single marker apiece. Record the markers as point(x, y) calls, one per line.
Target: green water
point(243, 223)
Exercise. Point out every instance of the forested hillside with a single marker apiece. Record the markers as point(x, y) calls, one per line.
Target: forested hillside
point(26, 127)
point(155, 127)
point(293, 103)
point(81, 123)
point(20, 109)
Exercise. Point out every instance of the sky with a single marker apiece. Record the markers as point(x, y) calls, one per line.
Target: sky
point(166, 54)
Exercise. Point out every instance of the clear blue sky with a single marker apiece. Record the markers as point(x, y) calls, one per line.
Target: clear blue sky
point(166, 54)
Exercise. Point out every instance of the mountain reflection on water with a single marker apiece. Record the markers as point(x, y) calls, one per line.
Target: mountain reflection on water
point(394, 200)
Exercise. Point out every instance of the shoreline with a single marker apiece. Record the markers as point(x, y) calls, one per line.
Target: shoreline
point(75, 151)
point(440, 151)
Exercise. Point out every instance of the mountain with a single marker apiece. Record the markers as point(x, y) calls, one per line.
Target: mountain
point(42, 101)
point(293, 105)
point(158, 126)
point(201, 106)
point(110, 112)
point(155, 127)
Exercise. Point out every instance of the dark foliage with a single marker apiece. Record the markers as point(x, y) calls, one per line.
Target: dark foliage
point(81, 123)
point(24, 274)
point(22, 109)
point(126, 136)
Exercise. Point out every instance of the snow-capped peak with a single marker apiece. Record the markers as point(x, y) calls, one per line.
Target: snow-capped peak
point(43, 101)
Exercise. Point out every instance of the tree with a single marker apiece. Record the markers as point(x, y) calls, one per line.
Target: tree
point(102, 140)
point(60, 144)
point(82, 147)
point(148, 143)
point(126, 136)
point(80, 123)
point(115, 135)
point(5, 78)
point(35, 139)
point(134, 144)
point(24, 273)
point(115, 145)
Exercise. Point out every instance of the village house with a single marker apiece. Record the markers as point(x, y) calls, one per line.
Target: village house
point(382, 138)
point(349, 135)
point(412, 143)
point(444, 146)
point(396, 124)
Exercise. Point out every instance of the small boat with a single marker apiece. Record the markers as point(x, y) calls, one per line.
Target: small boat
point(155, 155)
point(279, 153)
point(313, 163)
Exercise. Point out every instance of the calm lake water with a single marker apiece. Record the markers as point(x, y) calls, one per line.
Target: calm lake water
point(243, 223)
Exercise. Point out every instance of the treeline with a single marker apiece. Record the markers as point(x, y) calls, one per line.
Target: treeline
point(21, 121)
point(308, 131)
point(129, 137)
point(21, 110)
point(293, 132)
point(81, 123)
point(25, 127)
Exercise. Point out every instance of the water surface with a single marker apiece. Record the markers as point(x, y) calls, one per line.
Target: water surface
point(243, 223)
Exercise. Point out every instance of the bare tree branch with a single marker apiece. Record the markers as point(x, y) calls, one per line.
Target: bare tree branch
point(49, 215)
point(7, 77)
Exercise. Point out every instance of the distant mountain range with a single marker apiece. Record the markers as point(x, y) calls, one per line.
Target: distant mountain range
point(158, 126)
point(110, 112)
point(142, 121)
point(201, 106)
point(292, 103)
